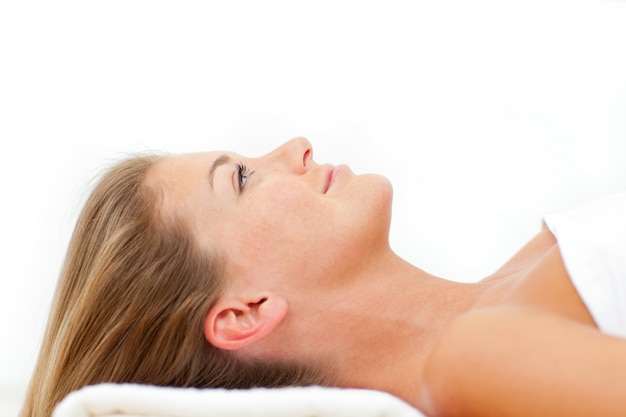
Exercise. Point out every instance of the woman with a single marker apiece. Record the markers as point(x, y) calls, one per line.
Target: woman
point(214, 269)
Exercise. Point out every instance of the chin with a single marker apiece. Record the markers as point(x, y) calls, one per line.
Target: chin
point(382, 187)
point(379, 198)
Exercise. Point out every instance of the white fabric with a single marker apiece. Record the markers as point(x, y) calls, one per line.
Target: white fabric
point(128, 400)
point(592, 242)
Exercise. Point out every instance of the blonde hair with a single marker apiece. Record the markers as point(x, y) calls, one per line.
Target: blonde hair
point(130, 303)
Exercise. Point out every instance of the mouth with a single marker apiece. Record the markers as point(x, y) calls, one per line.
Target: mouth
point(330, 172)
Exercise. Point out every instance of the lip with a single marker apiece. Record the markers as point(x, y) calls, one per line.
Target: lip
point(330, 174)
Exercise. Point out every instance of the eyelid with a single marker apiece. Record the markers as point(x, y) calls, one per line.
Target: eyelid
point(241, 173)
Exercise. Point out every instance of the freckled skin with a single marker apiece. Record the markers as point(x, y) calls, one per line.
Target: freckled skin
point(281, 226)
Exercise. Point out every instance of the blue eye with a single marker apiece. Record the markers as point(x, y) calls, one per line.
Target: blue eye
point(242, 174)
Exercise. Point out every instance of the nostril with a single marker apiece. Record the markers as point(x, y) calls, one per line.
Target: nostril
point(307, 156)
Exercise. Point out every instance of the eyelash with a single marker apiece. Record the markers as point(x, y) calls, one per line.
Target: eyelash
point(242, 175)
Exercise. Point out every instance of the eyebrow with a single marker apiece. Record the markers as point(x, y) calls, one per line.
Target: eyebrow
point(221, 160)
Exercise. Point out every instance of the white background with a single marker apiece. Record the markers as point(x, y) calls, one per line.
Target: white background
point(484, 115)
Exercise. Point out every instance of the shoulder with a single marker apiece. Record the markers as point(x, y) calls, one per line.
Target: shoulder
point(509, 361)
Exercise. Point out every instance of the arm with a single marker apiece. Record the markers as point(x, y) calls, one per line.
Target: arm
point(520, 361)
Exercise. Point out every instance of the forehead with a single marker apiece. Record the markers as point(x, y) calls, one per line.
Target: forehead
point(181, 179)
point(173, 167)
point(177, 173)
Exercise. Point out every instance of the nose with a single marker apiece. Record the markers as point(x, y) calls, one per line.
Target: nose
point(296, 154)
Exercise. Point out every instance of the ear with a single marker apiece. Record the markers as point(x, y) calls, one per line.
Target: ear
point(234, 323)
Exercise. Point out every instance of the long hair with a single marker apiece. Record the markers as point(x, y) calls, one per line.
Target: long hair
point(131, 299)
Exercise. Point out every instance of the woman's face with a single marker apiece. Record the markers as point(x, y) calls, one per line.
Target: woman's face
point(281, 218)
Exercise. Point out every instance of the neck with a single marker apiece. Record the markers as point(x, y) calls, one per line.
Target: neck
point(378, 329)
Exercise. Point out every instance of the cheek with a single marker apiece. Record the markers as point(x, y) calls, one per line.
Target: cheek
point(280, 230)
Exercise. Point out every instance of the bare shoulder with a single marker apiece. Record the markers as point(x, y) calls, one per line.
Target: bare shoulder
point(529, 254)
point(520, 361)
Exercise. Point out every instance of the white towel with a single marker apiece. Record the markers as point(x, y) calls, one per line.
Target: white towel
point(128, 400)
point(592, 241)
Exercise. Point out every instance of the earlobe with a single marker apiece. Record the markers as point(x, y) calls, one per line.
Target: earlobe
point(233, 323)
